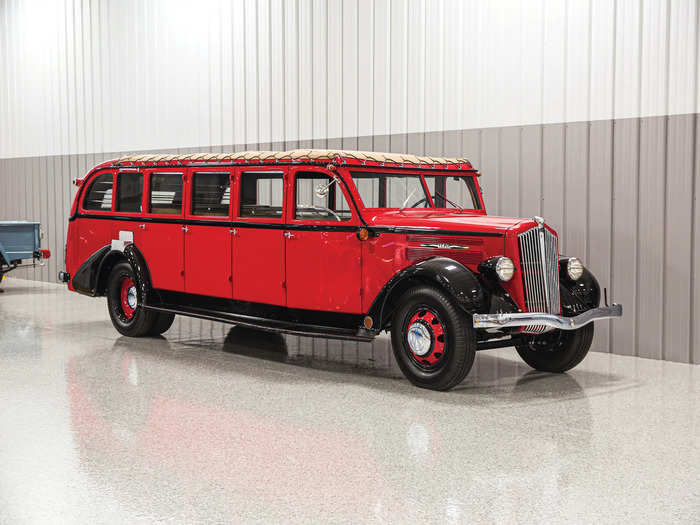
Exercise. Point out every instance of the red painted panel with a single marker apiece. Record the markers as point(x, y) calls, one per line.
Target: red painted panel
point(324, 271)
point(208, 261)
point(258, 265)
point(162, 245)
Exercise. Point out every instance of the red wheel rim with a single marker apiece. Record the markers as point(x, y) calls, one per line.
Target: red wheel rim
point(426, 338)
point(128, 297)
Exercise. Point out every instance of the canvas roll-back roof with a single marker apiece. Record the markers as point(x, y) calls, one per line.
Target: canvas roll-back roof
point(303, 156)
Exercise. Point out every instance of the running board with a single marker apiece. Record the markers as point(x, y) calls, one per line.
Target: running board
point(269, 325)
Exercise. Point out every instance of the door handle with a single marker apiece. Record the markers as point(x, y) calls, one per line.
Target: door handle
point(233, 232)
point(289, 235)
point(185, 228)
point(142, 226)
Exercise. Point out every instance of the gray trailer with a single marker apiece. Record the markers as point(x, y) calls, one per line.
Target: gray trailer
point(20, 242)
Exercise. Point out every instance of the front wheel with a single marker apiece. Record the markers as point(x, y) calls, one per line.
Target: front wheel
point(556, 350)
point(432, 339)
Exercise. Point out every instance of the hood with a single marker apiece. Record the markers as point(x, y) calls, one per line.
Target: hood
point(446, 221)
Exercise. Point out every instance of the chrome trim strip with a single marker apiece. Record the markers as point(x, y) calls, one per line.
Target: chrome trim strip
point(505, 320)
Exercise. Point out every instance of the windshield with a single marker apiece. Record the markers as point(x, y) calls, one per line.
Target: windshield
point(453, 192)
point(390, 190)
point(397, 190)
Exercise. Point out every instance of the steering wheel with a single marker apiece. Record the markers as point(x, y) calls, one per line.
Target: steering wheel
point(418, 203)
point(321, 208)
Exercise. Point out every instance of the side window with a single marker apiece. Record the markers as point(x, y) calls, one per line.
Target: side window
point(319, 198)
point(166, 193)
point(99, 196)
point(211, 194)
point(261, 194)
point(129, 192)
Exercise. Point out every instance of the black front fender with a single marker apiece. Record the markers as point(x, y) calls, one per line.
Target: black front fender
point(580, 295)
point(458, 281)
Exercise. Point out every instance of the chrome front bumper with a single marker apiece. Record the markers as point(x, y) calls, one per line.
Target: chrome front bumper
point(554, 321)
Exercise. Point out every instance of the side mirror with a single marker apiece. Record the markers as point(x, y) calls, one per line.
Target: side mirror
point(322, 189)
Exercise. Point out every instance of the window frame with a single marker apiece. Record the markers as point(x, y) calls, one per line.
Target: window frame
point(292, 198)
point(384, 171)
point(238, 187)
point(92, 180)
point(115, 191)
point(422, 174)
point(147, 191)
point(468, 176)
point(190, 177)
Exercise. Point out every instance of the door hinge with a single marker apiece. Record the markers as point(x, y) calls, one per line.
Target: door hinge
point(284, 284)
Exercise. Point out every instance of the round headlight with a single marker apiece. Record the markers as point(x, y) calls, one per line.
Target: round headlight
point(574, 268)
point(505, 269)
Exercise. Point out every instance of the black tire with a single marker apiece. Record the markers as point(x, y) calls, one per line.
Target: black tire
point(137, 323)
point(558, 350)
point(163, 323)
point(449, 358)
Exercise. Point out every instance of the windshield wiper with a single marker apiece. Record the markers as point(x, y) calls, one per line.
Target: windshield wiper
point(407, 199)
point(448, 200)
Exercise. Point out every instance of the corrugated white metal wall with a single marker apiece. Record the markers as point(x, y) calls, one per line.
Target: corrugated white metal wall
point(84, 77)
point(582, 111)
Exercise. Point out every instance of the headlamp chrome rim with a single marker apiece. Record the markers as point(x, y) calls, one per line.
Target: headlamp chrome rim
point(505, 269)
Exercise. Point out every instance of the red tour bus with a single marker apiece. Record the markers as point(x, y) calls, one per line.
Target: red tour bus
point(339, 244)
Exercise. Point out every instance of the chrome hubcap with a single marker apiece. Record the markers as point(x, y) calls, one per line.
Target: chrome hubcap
point(419, 339)
point(131, 297)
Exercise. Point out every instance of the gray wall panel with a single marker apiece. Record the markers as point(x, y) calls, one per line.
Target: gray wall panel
point(510, 171)
point(574, 231)
point(679, 220)
point(695, 269)
point(554, 147)
point(652, 206)
point(624, 231)
point(598, 258)
point(531, 170)
point(491, 164)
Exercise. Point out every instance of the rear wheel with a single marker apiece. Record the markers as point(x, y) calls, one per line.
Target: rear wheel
point(433, 343)
point(556, 350)
point(123, 303)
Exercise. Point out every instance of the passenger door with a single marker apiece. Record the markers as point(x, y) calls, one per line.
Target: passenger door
point(322, 249)
point(208, 243)
point(258, 244)
point(161, 236)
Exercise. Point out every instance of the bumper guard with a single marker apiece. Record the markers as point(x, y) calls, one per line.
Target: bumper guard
point(554, 321)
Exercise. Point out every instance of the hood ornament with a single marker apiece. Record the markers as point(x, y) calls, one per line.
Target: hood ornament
point(539, 220)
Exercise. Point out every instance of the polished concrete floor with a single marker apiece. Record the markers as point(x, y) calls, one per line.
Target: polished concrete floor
point(214, 424)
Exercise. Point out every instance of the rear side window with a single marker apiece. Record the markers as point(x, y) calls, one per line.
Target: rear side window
point(99, 196)
point(261, 194)
point(129, 192)
point(211, 194)
point(166, 193)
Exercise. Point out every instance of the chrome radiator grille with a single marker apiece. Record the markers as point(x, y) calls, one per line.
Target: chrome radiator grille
point(539, 260)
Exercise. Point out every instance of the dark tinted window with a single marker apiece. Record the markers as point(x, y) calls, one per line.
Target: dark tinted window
point(129, 192)
point(166, 193)
point(319, 198)
point(211, 194)
point(261, 194)
point(99, 196)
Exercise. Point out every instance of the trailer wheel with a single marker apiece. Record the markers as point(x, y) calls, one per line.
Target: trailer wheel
point(123, 303)
point(433, 341)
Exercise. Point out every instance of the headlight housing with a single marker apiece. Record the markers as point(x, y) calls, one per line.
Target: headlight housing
point(504, 268)
point(574, 268)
